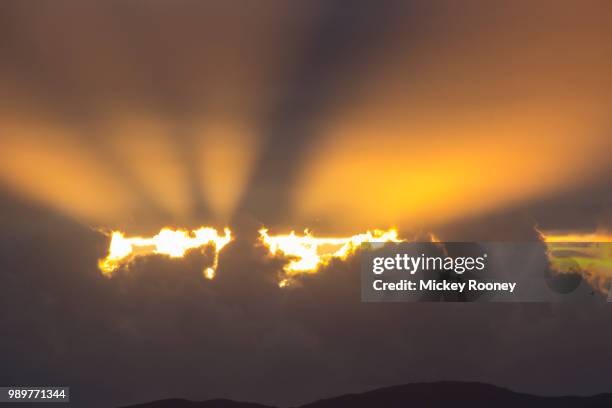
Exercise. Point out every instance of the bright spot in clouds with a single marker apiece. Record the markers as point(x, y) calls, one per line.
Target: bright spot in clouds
point(307, 253)
point(170, 242)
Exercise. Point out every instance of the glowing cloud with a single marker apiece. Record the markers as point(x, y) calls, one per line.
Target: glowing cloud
point(309, 253)
point(170, 242)
point(589, 255)
point(576, 237)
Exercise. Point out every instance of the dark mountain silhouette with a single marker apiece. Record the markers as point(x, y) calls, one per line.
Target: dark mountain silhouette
point(426, 395)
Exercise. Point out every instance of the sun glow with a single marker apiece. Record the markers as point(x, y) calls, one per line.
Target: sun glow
point(576, 237)
point(308, 253)
point(171, 242)
point(588, 254)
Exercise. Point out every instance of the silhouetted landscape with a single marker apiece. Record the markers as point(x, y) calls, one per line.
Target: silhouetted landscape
point(438, 394)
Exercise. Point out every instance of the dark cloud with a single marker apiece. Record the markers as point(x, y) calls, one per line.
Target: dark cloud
point(160, 330)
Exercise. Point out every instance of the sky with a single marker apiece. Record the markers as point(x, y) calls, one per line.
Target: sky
point(470, 120)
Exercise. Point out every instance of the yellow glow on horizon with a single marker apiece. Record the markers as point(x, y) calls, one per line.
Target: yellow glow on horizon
point(576, 237)
point(587, 254)
point(171, 242)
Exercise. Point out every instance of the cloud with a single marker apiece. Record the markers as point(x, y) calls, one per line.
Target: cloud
point(161, 330)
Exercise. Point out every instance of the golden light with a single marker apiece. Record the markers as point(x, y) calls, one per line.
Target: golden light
point(174, 243)
point(588, 254)
point(228, 144)
point(482, 122)
point(135, 140)
point(45, 162)
point(576, 237)
point(308, 253)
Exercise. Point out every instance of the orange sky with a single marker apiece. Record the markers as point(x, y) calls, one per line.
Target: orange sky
point(461, 114)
